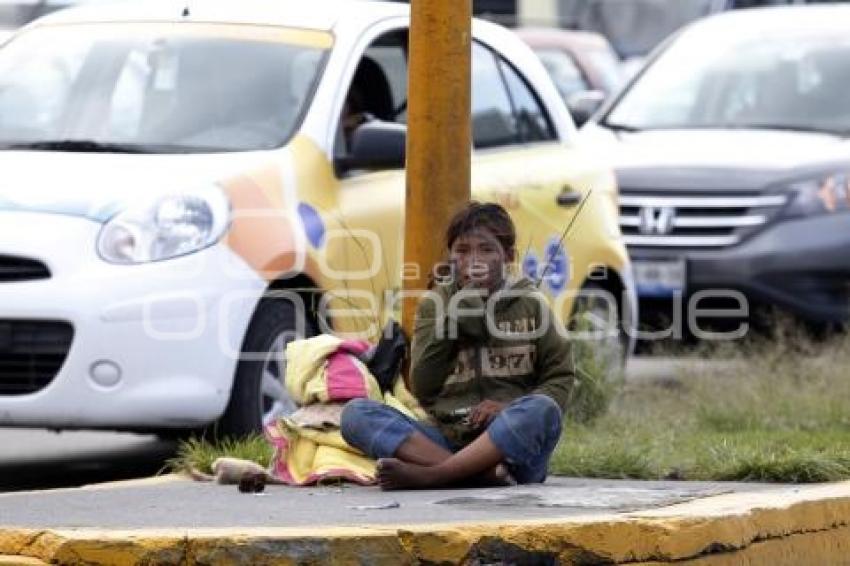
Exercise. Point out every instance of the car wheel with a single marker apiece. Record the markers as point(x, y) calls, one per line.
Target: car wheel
point(259, 395)
point(597, 312)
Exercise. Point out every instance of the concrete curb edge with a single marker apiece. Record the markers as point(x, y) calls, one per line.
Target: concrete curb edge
point(809, 521)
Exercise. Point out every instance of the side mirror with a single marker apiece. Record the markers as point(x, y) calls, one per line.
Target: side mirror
point(582, 105)
point(376, 145)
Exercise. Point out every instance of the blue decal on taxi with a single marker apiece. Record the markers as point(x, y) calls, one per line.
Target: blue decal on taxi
point(530, 266)
point(314, 226)
point(557, 269)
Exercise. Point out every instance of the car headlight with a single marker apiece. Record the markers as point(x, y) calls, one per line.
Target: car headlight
point(170, 226)
point(823, 195)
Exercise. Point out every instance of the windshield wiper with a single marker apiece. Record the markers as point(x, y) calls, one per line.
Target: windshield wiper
point(620, 127)
point(84, 146)
point(755, 126)
point(91, 146)
point(783, 127)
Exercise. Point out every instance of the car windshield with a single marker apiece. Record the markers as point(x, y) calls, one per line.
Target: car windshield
point(794, 79)
point(156, 88)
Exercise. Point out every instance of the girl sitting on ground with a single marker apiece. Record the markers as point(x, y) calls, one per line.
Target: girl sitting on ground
point(488, 364)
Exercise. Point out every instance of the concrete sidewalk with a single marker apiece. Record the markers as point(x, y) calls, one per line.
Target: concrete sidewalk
point(567, 521)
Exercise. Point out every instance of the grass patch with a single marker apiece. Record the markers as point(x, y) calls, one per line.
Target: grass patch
point(599, 375)
point(594, 391)
point(772, 413)
point(778, 411)
point(199, 454)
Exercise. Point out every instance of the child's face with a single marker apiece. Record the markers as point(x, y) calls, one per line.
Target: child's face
point(479, 260)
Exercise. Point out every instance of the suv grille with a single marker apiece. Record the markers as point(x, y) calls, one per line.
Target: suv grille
point(694, 220)
point(21, 269)
point(31, 354)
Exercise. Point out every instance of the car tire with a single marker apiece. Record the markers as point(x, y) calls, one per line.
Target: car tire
point(259, 394)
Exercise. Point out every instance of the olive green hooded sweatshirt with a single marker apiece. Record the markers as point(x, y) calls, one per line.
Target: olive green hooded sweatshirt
point(459, 360)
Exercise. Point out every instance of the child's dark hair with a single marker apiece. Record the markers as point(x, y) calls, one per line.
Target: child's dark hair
point(490, 216)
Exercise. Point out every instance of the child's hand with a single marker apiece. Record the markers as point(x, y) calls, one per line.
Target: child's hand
point(484, 412)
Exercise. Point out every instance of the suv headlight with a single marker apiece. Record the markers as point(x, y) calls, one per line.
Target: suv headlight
point(170, 226)
point(824, 195)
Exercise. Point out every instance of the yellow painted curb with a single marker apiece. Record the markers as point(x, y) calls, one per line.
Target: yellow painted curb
point(21, 561)
point(809, 524)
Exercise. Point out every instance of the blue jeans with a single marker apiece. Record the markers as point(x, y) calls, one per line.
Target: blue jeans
point(525, 432)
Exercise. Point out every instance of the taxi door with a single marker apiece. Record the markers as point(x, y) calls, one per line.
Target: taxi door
point(366, 247)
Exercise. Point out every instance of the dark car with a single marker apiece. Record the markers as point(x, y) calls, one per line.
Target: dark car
point(733, 161)
point(582, 65)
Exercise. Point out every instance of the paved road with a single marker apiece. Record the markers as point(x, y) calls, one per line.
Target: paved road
point(37, 459)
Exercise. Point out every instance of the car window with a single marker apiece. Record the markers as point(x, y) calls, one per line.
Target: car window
point(392, 58)
point(785, 81)
point(564, 71)
point(174, 89)
point(493, 122)
point(124, 117)
point(378, 90)
point(35, 88)
point(532, 122)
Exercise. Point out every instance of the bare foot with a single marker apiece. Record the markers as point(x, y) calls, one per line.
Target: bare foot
point(499, 476)
point(395, 474)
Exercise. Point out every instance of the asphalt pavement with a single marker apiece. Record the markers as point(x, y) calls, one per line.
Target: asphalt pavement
point(40, 459)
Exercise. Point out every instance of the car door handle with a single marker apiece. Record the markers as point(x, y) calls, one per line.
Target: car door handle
point(568, 198)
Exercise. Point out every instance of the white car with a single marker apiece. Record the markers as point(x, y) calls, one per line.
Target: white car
point(186, 186)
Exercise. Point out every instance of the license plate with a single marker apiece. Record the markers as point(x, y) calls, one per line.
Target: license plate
point(659, 278)
point(5, 337)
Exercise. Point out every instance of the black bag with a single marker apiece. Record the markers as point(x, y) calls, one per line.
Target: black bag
point(389, 354)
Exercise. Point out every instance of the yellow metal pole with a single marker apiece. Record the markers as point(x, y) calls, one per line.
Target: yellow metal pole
point(439, 136)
